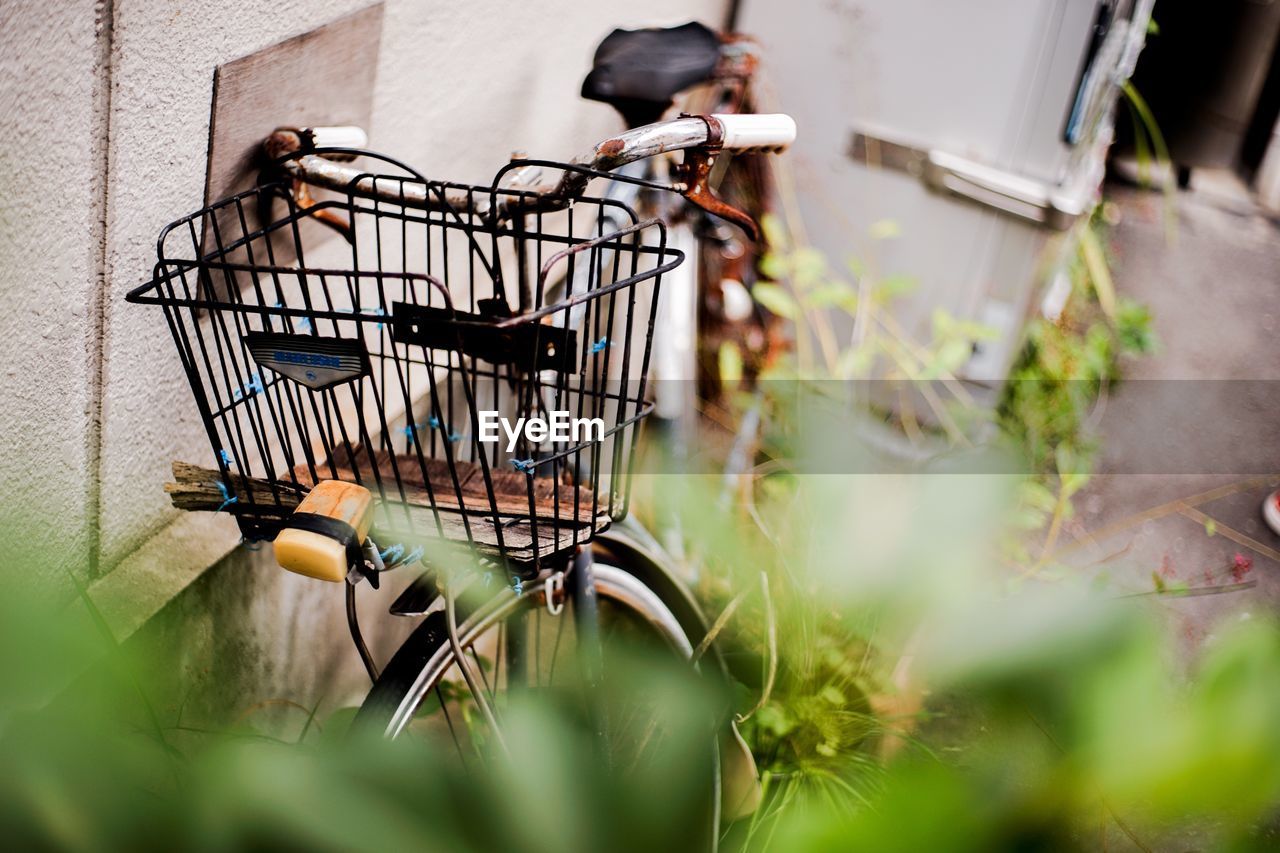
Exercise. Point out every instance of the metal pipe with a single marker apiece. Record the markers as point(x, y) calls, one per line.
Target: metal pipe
point(732, 132)
point(477, 690)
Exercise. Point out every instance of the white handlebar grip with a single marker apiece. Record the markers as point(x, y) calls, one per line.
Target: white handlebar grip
point(341, 136)
point(771, 132)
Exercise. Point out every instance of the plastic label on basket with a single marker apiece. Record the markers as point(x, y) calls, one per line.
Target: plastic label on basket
point(527, 345)
point(309, 360)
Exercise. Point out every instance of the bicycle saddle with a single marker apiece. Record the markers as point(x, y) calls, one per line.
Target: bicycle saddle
point(638, 72)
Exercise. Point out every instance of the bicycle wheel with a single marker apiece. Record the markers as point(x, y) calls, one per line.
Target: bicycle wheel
point(421, 691)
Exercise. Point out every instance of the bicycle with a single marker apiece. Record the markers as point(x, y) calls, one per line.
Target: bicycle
point(341, 385)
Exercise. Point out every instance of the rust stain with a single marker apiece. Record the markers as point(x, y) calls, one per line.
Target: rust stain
point(611, 147)
point(694, 172)
point(282, 142)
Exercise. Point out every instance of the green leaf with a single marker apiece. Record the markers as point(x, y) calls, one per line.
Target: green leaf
point(775, 720)
point(943, 323)
point(951, 356)
point(1072, 471)
point(895, 285)
point(809, 264)
point(1035, 494)
point(777, 300)
point(730, 364)
point(834, 294)
point(775, 266)
point(775, 233)
point(1133, 328)
point(1095, 259)
point(855, 363)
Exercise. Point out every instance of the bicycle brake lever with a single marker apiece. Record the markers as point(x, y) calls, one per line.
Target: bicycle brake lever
point(693, 174)
point(285, 142)
point(303, 198)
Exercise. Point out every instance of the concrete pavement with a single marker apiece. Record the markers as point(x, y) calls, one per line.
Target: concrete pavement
point(1191, 445)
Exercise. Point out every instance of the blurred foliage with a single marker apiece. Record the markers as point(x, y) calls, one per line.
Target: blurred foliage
point(1035, 737)
point(95, 758)
point(1033, 716)
point(1068, 364)
point(901, 688)
point(820, 301)
point(1068, 361)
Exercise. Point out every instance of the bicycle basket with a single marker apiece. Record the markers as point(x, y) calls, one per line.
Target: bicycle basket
point(390, 358)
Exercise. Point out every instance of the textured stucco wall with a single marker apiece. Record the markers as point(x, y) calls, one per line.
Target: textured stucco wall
point(104, 111)
point(50, 256)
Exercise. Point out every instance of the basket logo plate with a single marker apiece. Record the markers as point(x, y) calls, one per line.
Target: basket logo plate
point(528, 345)
point(313, 361)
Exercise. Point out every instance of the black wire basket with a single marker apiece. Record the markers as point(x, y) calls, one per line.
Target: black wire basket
point(387, 355)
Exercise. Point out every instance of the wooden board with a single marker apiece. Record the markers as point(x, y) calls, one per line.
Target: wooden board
point(510, 487)
point(413, 519)
point(553, 523)
point(322, 77)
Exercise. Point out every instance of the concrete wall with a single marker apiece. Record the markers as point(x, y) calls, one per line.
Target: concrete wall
point(51, 193)
point(104, 111)
point(1267, 181)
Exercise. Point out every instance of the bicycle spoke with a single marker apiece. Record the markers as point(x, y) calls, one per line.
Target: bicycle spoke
point(537, 649)
point(449, 720)
point(480, 668)
point(498, 654)
point(555, 649)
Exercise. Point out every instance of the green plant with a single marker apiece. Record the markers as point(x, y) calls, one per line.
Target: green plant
point(819, 715)
point(1069, 361)
point(1067, 364)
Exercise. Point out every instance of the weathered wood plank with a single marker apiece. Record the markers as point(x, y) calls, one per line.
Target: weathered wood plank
point(408, 521)
point(565, 503)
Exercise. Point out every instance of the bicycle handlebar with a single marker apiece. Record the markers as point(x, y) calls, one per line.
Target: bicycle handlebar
point(727, 132)
point(757, 132)
point(301, 154)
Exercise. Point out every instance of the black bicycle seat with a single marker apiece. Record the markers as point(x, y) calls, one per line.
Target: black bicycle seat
point(638, 72)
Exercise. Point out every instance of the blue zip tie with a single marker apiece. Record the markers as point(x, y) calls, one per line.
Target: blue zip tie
point(395, 555)
point(599, 345)
point(226, 458)
point(253, 386)
point(377, 309)
point(517, 585)
point(434, 422)
point(525, 465)
point(227, 497)
point(304, 323)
